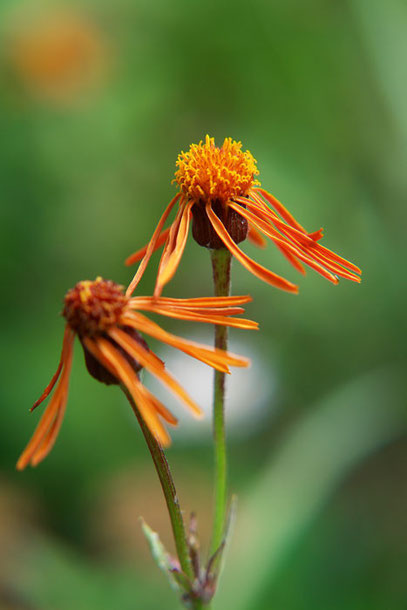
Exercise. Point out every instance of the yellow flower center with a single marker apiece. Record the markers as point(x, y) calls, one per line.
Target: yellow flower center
point(93, 307)
point(207, 172)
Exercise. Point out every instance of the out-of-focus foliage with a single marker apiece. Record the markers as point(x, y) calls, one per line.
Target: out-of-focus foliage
point(97, 99)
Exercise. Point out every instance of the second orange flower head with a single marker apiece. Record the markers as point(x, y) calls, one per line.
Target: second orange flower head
point(219, 192)
point(109, 326)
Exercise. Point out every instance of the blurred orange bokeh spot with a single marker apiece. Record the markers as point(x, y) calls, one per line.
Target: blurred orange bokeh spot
point(57, 56)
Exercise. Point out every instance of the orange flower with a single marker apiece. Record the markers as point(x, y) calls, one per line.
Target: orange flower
point(108, 325)
point(219, 192)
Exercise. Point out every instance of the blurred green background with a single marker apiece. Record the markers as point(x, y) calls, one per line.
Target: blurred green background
point(97, 99)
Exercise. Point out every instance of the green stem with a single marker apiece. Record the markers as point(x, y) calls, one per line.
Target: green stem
point(221, 263)
point(170, 494)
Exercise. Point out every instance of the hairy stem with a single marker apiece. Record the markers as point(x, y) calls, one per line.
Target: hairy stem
point(221, 263)
point(170, 494)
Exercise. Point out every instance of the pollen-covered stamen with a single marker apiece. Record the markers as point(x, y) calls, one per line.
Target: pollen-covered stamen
point(92, 307)
point(207, 172)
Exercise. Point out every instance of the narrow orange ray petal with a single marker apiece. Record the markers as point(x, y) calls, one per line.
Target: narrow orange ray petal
point(291, 259)
point(316, 235)
point(258, 206)
point(195, 302)
point(67, 336)
point(308, 247)
point(196, 316)
point(338, 259)
point(258, 270)
point(161, 409)
point(256, 237)
point(214, 357)
point(200, 311)
point(58, 399)
point(127, 376)
point(335, 267)
point(280, 240)
point(151, 246)
point(143, 356)
point(311, 240)
point(138, 255)
point(40, 432)
point(170, 243)
point(172, 236)
point(49, 441)
point(277, 205)
point(166, 273)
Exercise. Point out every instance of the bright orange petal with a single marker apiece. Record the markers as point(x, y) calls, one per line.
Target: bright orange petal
point(213, 357)
point(310, 241)
point(138, 352)
point(256, 237)
point(94, 349)
point(304, 248)
point(47, 429)
point(151, 246)
point(127, 376)
point(167, 271)
point(277, 205)
point(138, 255)
point(48, 389)
point(258, 270)
point(203, 316)
point(291, 259)
point(281, 240)
point(196, 302)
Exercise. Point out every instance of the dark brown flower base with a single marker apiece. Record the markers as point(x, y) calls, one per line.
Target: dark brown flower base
point(206, 236)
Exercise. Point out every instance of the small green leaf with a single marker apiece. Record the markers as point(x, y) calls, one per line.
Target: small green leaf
point(177, 580)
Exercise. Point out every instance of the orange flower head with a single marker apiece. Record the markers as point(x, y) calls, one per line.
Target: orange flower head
point(208, 173)
point(93, 307)
point(219, 193)
point(109, 326)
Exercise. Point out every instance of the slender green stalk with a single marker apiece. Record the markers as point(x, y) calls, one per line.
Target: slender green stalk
point(221, 263)
point(170, 494)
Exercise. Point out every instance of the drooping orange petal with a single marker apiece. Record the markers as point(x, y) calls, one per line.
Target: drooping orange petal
point(157, 302)
point(303, 243)
point(214, 357)
point(291, 259)
point(129, 379)
point(256, 237)
point(138, 255)
point(143, 356)
point(280, 240)
point(172, 236)
point(258, 270)
point(159, 407)
point(197, 302)
point(316, 235)
point(203, 316)
point(311, 240)
point(48, 389)
point(336, 258)
point(277, 205)
point(151, 246)
point(167, 271)
point(47, 429)
point(49, 441)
